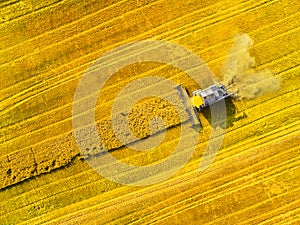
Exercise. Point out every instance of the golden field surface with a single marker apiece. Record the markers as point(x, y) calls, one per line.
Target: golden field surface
point(47, 46)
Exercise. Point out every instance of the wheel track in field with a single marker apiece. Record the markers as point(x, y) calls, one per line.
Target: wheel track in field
point(260, 217)
point(19, 124)
point(280, 217)
point(286, 210)
point(241, 145)
point(272, 217)
point(225, 157)
point(194, 202)
point(290, 128)
point(136, 157)
point(44, 8)
point(110, 88)
point(46, 142)
point(7, 3)
point(143, 34)
point(55, 87)
point(22, 135)
point(190, 200)
point(188, 26)
point(61, 122)
point(21, 15)
point(205, 143)
point(65, 26)
point(30, 89)
point(282, 209)
point(165, 212)
point(97, 208)
point(282, 153)
point(251, 123)
point(62, 81)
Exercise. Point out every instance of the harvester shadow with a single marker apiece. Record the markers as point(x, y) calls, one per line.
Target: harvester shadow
point(219, 119)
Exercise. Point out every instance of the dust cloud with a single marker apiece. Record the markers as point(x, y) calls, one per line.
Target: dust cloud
point(240, 75)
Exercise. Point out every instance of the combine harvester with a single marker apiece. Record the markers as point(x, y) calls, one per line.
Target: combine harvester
point(201, 99)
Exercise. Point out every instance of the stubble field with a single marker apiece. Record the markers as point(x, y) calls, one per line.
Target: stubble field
point(46, 47)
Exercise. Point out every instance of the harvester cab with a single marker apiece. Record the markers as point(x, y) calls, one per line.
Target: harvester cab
point(201, 99)
point(209, 96)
